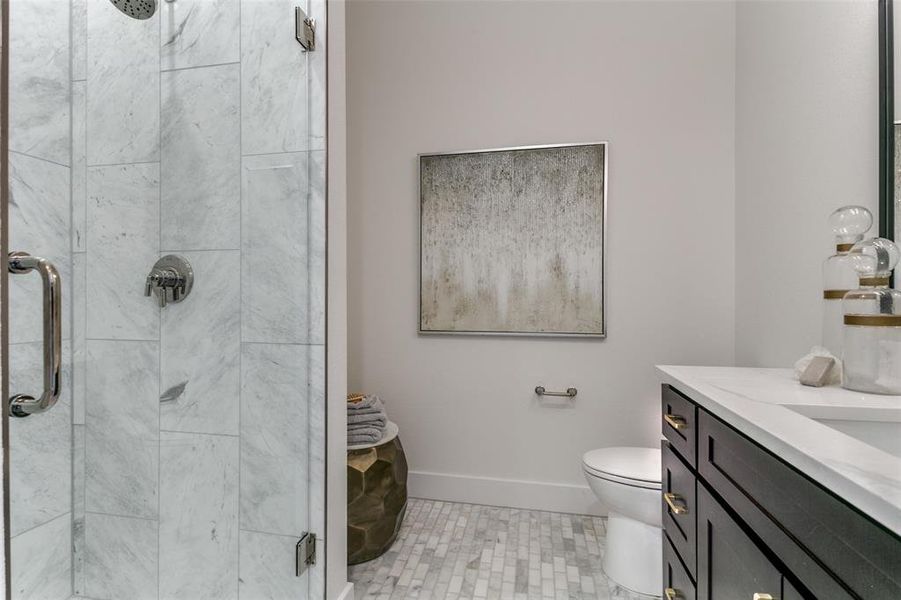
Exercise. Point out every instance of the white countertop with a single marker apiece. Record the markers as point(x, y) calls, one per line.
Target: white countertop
point(768, 406)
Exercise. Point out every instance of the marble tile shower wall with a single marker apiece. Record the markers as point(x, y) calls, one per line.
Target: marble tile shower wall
point(197, 430)
point(40, 223)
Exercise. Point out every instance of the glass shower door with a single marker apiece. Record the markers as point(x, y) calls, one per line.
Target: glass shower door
point(184, 457)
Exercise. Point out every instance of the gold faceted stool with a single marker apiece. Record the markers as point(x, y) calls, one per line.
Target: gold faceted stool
point(376, 496)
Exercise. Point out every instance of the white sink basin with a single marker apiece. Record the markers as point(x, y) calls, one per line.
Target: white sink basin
point(876, 427)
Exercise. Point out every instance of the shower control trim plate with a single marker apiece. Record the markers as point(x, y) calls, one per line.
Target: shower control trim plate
point(171, 279)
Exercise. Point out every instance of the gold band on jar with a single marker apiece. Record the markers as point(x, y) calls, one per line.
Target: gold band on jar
point(873, 281)
point(873, 320)
point(843, 247)
point(834, 294)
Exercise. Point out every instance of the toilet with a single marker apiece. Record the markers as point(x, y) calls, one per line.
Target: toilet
point(627, 482)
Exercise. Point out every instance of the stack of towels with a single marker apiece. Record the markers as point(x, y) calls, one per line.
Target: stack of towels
point(366, 419)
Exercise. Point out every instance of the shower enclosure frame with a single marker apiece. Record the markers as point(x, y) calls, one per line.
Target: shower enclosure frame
point(321, 486)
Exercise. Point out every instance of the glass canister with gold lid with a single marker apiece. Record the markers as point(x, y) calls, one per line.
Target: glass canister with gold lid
point(848, 225)
point(872, 321)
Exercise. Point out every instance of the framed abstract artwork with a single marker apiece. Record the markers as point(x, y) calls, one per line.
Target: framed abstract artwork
point(512, 241)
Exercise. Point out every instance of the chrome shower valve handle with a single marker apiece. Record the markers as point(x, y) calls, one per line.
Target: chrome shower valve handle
point(171, 278)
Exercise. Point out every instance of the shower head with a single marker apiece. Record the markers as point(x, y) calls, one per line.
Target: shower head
point(136, 9)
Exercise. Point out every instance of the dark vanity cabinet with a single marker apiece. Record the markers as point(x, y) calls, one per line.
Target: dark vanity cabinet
point(741, 524)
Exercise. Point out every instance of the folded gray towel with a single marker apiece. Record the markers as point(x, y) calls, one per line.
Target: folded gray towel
point(365, 435)
point(368, 419)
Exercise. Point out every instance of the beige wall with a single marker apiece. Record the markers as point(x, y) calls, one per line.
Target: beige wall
point(655, 80)
point(807, 143)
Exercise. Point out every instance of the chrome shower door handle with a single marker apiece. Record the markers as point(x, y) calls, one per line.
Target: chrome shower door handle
point(22, 405)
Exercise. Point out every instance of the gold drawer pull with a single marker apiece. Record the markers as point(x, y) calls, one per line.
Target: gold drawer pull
point(671, 594)
point(678, 509)
point(675, 421)
point(759, 596)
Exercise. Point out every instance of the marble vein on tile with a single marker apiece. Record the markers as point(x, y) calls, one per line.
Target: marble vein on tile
point(79, 165)
point(40, 448)
point(199, 516)
point(201, 345)
point(39, 80)
point(274, 269)
point(120, 558)
point(122, 428)
point(199, 32)
point(78, 512)
point(275, 451)
point(274, 108)
point(200, 159)
point(123, 245)
point(41, 565)
point(267, 568)
point(123, 108)
point(40, 224)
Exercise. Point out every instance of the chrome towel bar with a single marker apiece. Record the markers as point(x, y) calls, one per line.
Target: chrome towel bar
point(569, 393)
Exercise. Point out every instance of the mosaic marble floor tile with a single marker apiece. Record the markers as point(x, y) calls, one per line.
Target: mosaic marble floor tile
point(449, 550)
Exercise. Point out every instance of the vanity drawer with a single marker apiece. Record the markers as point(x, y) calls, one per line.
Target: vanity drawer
point(677, 585)
point(678, 495)
point(832, 549)
point(679, 419)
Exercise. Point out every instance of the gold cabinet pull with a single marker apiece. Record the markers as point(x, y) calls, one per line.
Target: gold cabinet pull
point(679, 509)
point(675, 421)
point(671, 594)
point(759, 596)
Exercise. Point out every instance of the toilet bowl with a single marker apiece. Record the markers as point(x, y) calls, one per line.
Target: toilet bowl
point(627, 482)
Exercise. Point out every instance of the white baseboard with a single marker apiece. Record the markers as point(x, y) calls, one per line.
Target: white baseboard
point(347, 593)
point(534, 495)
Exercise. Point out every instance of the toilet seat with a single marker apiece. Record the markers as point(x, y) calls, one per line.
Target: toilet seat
point(631, 466)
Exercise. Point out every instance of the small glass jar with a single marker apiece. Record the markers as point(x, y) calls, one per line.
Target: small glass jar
point(872, 321)
point(848, 224)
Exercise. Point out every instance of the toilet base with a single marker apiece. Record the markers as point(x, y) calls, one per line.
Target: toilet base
point(633, 557)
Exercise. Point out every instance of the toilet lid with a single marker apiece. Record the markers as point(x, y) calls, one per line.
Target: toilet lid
point(635, 464)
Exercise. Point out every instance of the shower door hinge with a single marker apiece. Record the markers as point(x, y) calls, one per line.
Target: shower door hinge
point(304, 29)
point(306, 553)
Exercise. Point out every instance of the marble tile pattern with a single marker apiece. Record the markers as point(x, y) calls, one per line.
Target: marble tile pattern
point(274, 107)
point(198, 536)
point(200, 159)
point(78, 511)
point(267, 569)
point(40, 448)
point(198, 33)
point(122, 428)
point(123, 244)
point(451, 550)
point(39, 80)
point(40, 222)
point(79, 335)
point(274, 267)
point(201, 347)
point(79, 166)
point(274, 458)
point(41, 565)
point(79, 40)
point(123, 75)
point(121, 559)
